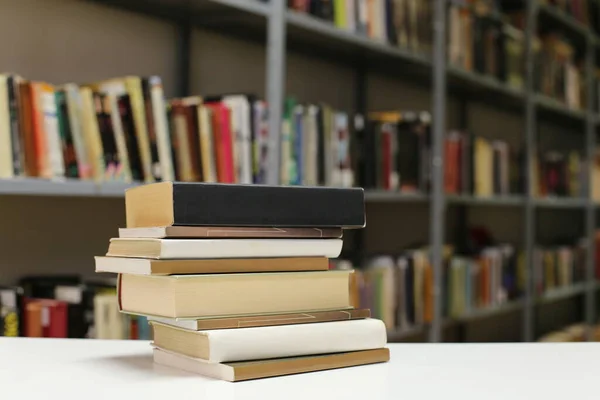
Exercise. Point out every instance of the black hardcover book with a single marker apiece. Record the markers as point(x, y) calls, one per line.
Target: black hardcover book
point(212, 204)
point(409, 145)
point(321, 137)
point(392, 35)
point(322, 9)
point(10, 311)
point(150, 126)
point(15, 130)
point(109, 144)
point(133, 150)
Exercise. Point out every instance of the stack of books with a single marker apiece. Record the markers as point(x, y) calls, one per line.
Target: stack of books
point(235, 279)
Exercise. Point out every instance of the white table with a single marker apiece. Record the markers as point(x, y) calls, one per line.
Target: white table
point(97, 369)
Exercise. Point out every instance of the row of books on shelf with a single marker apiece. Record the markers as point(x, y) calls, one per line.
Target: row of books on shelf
point(496, 48)
point(483, 36)
point(66, 306)
point(399, 289)
point(405, 23)
point(123, 130)
point(396, 154)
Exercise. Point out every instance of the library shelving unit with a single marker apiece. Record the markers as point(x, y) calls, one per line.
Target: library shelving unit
point(281, 29)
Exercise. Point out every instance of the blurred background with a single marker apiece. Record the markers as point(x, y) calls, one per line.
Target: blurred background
point(475, 143)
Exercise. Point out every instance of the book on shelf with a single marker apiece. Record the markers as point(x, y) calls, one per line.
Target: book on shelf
point(124, 130)
point(65, 306)
point(403, 23)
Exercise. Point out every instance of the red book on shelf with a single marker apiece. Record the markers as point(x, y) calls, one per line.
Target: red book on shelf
point(386, 160)
point(223, 142)
point(46, 318)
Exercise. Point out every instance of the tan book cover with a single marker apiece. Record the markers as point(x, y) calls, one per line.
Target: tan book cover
point(241, 371)
point(228, 232)
point(221, 295)
point(264, 320)
point(142, 266)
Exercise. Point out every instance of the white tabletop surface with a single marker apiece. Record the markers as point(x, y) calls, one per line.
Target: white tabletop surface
point(98, 369)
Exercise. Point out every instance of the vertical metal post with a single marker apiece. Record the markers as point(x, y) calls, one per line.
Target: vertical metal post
point(182, 56)
point(530, 137)
point(275, 79)
point(437, 215)
point(590, 217)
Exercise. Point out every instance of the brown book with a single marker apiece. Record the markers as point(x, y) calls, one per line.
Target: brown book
point(245, 370)
point(228, 232)
point(33, 320)
point(142, 266)
point(221, 295)
point(264, 320)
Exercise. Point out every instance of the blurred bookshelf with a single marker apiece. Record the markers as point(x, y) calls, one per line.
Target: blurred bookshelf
point(325, 38)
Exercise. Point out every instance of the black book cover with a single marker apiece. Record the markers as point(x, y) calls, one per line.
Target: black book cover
point(133, 150)
point(392, 35)
point(321, 145)
point(18, 149)
point(366, 154)
point(109, 144)
point(42, 286)
point(322, 9)
point(212, 204)
point(496, 168)
point(478, 44)
point(148, 112)
point(408, 160)
point(68, 147)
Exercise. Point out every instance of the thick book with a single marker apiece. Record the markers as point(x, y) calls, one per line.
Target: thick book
point(228, 232)
point(222, 345)
point(223, 248)
point(142, 266)
point(220, 295)
point(204, 324)
point(245, 370)
point(211, 204)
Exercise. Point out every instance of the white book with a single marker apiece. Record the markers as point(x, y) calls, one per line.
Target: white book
point(50, 117)
point(258, 343)
point(240, 123)
point(223, 248)
point(163, 140)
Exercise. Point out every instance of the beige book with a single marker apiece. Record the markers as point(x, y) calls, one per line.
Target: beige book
point(220, 295)
point(6, 161)
point(143, 266)
point(228, 232)
point(264, 342)
point(91, 134)
point(120, 141)
point(245, 370)
point(207, 149)
point(251, 321)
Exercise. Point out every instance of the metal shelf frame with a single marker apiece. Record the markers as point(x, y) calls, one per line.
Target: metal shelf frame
point(282, 30)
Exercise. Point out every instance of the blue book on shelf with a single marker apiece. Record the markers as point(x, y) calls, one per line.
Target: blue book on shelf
point(143, 328)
